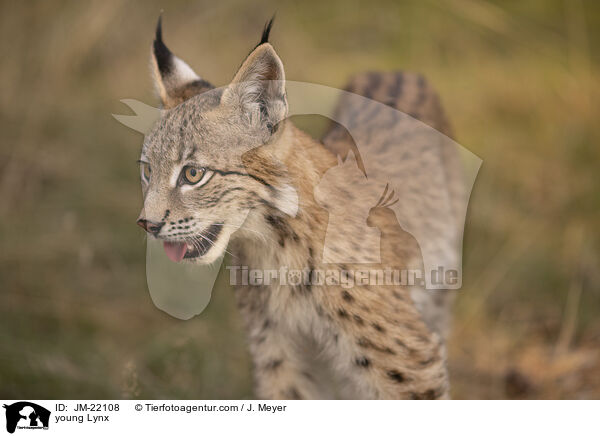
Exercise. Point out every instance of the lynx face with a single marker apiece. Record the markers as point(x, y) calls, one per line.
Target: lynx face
point(209, 160)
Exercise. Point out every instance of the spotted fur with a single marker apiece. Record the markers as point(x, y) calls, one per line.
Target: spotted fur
point(371, 342)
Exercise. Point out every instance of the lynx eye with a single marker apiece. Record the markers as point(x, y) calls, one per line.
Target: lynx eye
point(146, 171)
point(193, 176)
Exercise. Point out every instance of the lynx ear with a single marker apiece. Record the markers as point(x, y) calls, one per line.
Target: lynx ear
point(175, 81)
point(258, 88)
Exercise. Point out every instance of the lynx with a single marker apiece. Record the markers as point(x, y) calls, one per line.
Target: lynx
point(225, 170)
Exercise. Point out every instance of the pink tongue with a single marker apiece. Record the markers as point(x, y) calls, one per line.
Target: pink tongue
point(175, 250)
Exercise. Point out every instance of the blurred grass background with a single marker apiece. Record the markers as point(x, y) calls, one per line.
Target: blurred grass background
point(519, 80)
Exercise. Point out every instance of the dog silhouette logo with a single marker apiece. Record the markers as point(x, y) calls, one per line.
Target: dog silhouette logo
point(348, 196)
point(26, 415)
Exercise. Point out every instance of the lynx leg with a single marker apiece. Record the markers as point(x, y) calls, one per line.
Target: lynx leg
point(280, 371)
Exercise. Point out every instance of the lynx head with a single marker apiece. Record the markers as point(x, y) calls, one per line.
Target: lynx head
point(211, 158)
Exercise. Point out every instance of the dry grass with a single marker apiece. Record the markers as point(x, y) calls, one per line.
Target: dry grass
point(520, 82)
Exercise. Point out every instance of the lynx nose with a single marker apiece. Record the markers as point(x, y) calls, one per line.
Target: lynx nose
point(149, 226)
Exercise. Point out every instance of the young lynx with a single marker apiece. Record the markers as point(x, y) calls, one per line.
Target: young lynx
point(224, 170)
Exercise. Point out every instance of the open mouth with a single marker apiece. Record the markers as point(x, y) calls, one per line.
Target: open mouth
point(195, 247)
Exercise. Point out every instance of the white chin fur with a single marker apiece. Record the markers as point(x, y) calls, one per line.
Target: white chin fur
point(215, 252)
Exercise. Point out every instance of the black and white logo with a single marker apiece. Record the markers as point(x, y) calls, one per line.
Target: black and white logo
point(26, 415)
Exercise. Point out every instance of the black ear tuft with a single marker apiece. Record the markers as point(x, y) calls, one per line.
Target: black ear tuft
point(163, 56)
point(266, 31)
point(174, 80)
point(158, 36)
